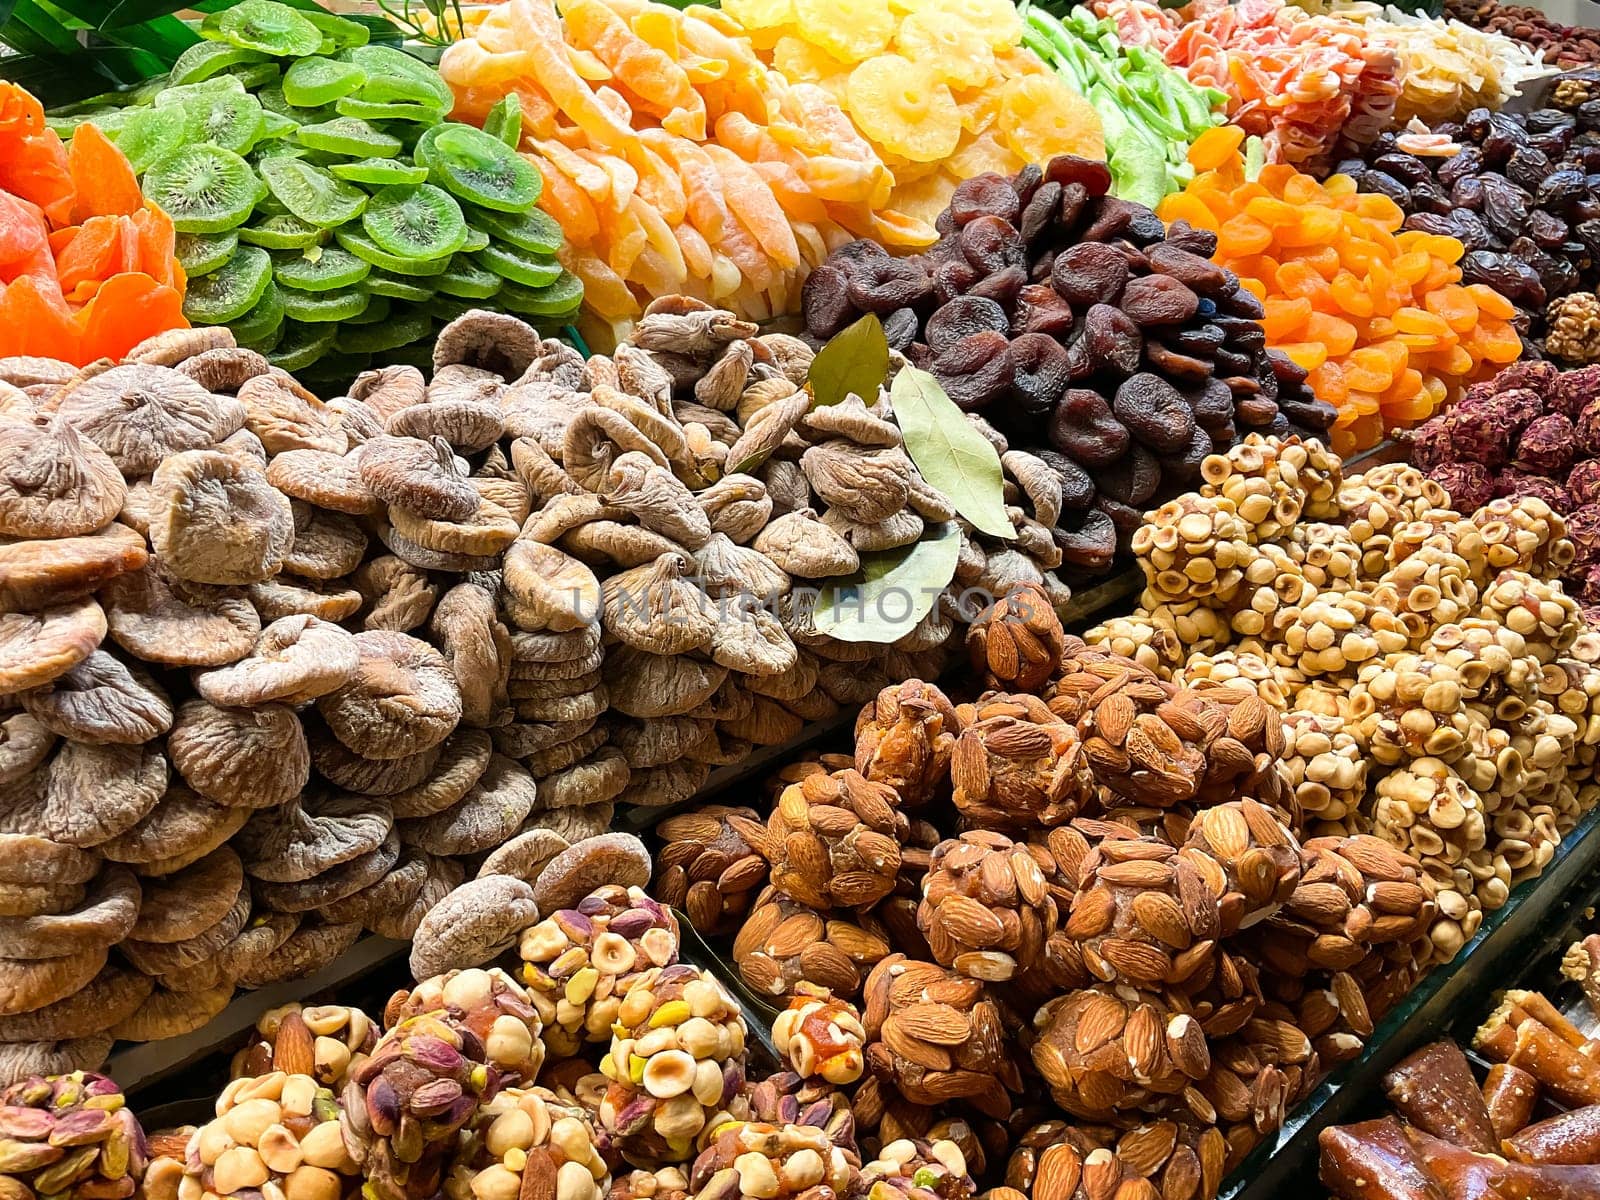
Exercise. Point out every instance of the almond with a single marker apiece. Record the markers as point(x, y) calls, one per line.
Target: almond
point(1141, 873)
point(913, 1049)
point(1145, 1041)
point(1145, 1150)
point(1187, 1046)
point(1226, 831)
point(1057, 1175)
point(1092, 913)
point(1102, 1018)
point(294, 1051)
point(539, 1176)
point(794, 934)
point(968, 921)
point(1161, 917)
point(1114, 717)
point(936, 1023)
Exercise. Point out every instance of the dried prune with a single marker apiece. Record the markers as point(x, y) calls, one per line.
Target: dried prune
point(1184, 468)
point(1242, 333)
point(1091, 174)
point(881, 285)
point(1040, 372)
point(992, 244)
point(1091, 544)
point(1110, 341)
point(976, 370)
point(1560, 188)
point(1083, 426)
point(1132, 479)
point(1227, 361)
point(1089, 273)
point(962, 316)
point(988, 194)
point(1077, 488)
point(1241, 303)
point(1211, 403)
point(1040, 215)
point(1039, 308)
point(952, 279)
point(823, 300)
point(1154, 412)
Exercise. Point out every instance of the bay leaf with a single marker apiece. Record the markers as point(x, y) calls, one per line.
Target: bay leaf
point(893, 590)
point(952, 455)
point(856, 359)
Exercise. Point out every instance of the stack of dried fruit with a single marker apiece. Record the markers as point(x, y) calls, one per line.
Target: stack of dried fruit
point(1438, 687)
point(1564, 46)
point(86, 263)
point(943, 91)
point(1378, 317)
point(1061, 313)
point(673, 158)
point(1515, 190)
point(331, 209)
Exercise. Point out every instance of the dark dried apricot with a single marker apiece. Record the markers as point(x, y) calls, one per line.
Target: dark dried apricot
point(1125, 519)
point(1184, 468)
point(881, 285)
point(1003, 287)
point(1077, 488)
point(1196, 241)
point(1211, 403)
point(1132, 479)
point(1040, 215)
point(1026, 182)
point(1083, 426)
point(988, 194)
point(1180, 368)
point(976, 370)
point(1200, 274)
point(1091, 544)
point(1158, 300)
point(900, 328)
point(1089, 274)
point(1040, 309)
point(1110, 341)
point(1090, 174)
point(1041, 372)
point(952, 279)
point(1074, 199)
point(962, 316)
point(992, 244)
point(824, 302)
point(1154, 412)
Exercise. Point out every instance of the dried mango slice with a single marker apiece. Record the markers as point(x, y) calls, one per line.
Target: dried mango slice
point(903, 107)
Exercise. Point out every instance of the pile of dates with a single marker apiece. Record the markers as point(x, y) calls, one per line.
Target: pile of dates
point(1519, 196)
point(1081, 327)
point(1563, 45)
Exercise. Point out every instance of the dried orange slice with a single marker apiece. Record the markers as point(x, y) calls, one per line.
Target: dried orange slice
point(904, 108)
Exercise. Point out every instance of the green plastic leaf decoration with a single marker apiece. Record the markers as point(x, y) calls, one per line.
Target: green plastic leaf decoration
point(854, 360)
point(893, 590)
point(952, 455)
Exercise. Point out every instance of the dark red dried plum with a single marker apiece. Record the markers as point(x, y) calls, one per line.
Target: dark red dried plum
point(1040, 309)
point(1183, 468)
point(1040, 372)
point(976, 370)
point(1003, 287)
point(1200, 274)
point(1091, 545)
point(825, 302)
point(1109, 341)
point(1089, 274)
point(1083, 426)
point(1125, 519)
point(1074, 199)
point(952, 279)
point(900, 328)
point(1199, 242)
point(988, 194)
point(962, 316)
point(881, 285)
point(1092, 174)
point(1158, 300)
point(1255, 411)
point(1179, 367)
point(1132, 479)
point(1154, 412)
point(1026, 182)
point(1211, 403)
point(1196, 339)
point(1039, 217)
point(992, 244)
point(1242, 303)
point(1077, 488)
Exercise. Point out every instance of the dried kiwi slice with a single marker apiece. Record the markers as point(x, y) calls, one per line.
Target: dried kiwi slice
point(505, 120)
point(529, 270)
point(204, 189)
point(400, 330)
point(349, 136)
point(267, 342)
point(393, 287)
point(370, 110)
point(320, 269)
point(448, 308)
point(181, 95)
point(149, 135)
point(477, 239)
point(257, 75)
point(228, 119)
point(338, 33)
point(205, 59)
point(418, 221)
point(336, 304)
point(312, 194)
point(262, 321)
point(269, 27)
point(535, 231)
point(359, 244)
point(283, 232)
point(394, 75)
point(202, 253)
point(558, 299)
point(302, 345)
point(232, 290)
point(468, 280)
point(276, 125)
point(277, 148)
point(313, 81)
point(478, 168)
point(377, 310)
point(378, 172)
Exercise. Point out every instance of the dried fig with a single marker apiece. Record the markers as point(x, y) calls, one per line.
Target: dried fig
point(96, 793)
point(547, 590)
point(656, 609)
point(725, 569)
point(492, 810)
point(141, 414)
point(181, 829)
point(657, 499)
point(54, 482)
point(102, 701)
point(295, 659)
point(473, 924)
point(242, 757)
point(402, 699)
point(36, 573)
point(803, 546)
point(215, 519)
point(395, 594)
point(296, 841)
point(160, 619)
point(327, 480)
point(287, 417)
point(469, 633)
point(287, 596)
point(418, 476)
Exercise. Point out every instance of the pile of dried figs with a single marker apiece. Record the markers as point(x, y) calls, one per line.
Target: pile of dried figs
point(1086, 332)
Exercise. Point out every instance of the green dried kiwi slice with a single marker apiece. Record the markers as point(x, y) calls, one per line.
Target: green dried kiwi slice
point(467, 280)
point(274, 101)
point(378, 172)
point(477, 239)
point(302, 345)
point(391, 287)
point(184, 96)
point(416, 221)
point(447, 308)
point(535, 231)
point(505, 120)
point(267, 342)
point(232, 290)
point(277, 148)
point(314, 81)
point(275, 126)
point(312, 194)
point(558, 299)
point(530, 270)
point(284, 231)
point(369, 110)
point(202, 253)
point(400, 330)
point(262, 321)
point(205, 59)
point(320, 269)
point(149, 135)
point(478, 168)
point(203, 188)
point(351, 137)
point(336, 304)
point(358, 243)
point(395, 75)
point(341, 32)
point(377, 310)
point(269, 27)
point(258, 75)
point(228, 119)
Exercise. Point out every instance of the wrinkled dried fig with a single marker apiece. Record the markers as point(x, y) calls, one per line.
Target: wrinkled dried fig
point(803, 546)
point(160, 619)
point(656, 609)
point(420, 477)
point(54, 482)
point(140, 415)
point(547, 590)
point(294, 660)
point(243, 757)
point(102, 700)
point(37, 647)
point(216, 519)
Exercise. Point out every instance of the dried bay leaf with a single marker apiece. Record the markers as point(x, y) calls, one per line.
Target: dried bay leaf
point(855, 360)
point(893, 590)
point(953, 456)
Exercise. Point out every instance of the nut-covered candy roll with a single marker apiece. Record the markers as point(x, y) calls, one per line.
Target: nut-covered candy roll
point(489, 1004)
point(821, 1038)
point(1017, 641)
point(1017, 765)
point(918, 1170)
point(527, 1141)
point(69, 1136)
point(835, 840)
point(904, 738)
point(337, 1037)
point(276, 1134)
point(987, 908)
point(748, 1160)
point(1509, 1094)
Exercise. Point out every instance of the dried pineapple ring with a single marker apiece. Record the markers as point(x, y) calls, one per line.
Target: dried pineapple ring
point(801, 61)
point(958, 53)
point(760, 14)
point(996, 20)
point(850, 30)
point(901, 105)
point(1042, 118)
